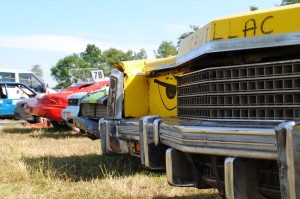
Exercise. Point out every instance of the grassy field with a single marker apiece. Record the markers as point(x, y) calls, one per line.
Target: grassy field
point(44, 163)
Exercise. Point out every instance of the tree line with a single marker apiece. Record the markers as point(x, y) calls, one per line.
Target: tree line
point(94, 57)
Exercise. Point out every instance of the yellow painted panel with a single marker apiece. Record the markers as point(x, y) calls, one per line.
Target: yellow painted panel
point(137, 66)
point(163, 95)
point(136, 85)
point(135, 88)
point(131, 67)
point(136, 96)
point(257, 23)
point(155, 63)
point(193, 41)
point(277, 20)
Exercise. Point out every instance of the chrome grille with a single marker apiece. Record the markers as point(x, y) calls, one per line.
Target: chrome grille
point(93, 110)
point(256, 91)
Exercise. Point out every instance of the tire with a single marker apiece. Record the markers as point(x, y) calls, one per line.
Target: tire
point(58, 125)
point(37, 119)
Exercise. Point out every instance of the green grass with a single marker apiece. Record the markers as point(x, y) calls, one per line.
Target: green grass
point(46, 163)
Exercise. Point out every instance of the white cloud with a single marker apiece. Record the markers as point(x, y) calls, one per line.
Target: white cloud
point(54, 43)
point(66, 44)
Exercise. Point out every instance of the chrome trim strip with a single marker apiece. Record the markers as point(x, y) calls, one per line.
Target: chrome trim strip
point(144, 141)
point(240, 93)
point(156, 124)
point(270, 122)
point(176, 169)
point(285, 39)
point(225, 130)
point(222, 151)
point(164, 136)
point(116, 112)
point(169, 169)
point(104, 132)
point(86, 124)
point(229, 177)
point(246, 79)
point(128, 130)
point(231, 107)
point(288, 138)
point(246, 65)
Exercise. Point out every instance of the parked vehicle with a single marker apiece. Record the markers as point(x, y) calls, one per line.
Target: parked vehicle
point(51, 105)
point(10, 94)
point(225, 115)
point(132, 95)
point(21, 111)
point(26, 77)
point(84, 111)
point(72, 109)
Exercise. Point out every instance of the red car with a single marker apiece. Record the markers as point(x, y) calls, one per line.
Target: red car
point(51, 105)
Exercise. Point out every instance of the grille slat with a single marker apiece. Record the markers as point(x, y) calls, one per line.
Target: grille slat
point(260, 84)
point(244, 71)
point(93, 110)
point(257, 91)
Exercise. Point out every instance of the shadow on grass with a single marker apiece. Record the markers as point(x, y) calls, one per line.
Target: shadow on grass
point(19, 130)
point(59, 133)
point(46, 132)
point(85, 168)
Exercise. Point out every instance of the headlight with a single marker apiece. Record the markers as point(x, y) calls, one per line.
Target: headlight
point(72, 102)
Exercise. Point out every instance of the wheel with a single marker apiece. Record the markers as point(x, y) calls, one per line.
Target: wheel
point(58, 125)
point(37, 119)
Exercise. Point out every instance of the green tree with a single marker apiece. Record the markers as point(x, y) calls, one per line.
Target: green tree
point(60, 72)
point(91, 56)
point(165, 49)
point(130, 55)
point(253, 8)
point(288, 2)
point(111, 56)
point(37, 70)
point(184, 35)
point(140, 55)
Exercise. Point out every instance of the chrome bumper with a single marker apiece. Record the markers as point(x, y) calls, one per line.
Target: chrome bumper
point(23, 114)
point(165, 143)
point(90, 127)
point(232, 140)
point(212, 139)
point(119, 137)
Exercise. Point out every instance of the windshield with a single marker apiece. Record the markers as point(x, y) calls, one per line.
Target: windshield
point(15, 91)
point(32, 81)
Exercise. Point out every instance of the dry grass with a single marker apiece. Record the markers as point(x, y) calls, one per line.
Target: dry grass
point(43, 163)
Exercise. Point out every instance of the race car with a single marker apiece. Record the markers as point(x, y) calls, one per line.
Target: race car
point(50, 106)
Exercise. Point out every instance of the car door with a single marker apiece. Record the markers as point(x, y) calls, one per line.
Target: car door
point(6, 106)
point(10, 94)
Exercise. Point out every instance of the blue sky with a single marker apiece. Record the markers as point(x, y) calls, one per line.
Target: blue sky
point(42, 32)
